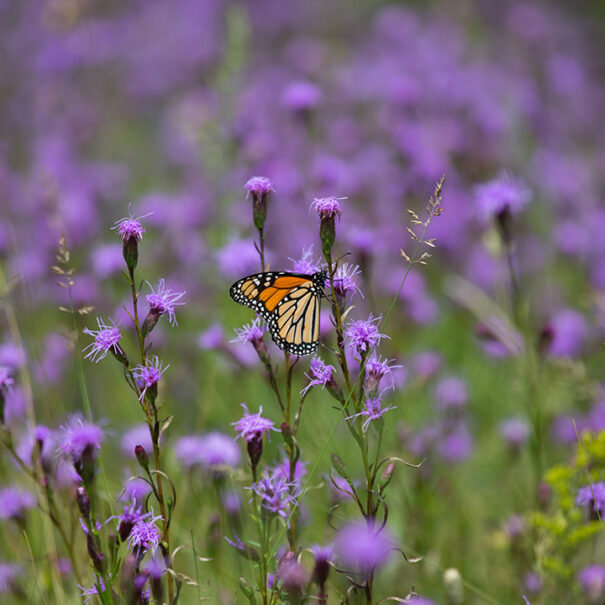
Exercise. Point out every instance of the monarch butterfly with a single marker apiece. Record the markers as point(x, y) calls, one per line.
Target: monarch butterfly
point(289, 302)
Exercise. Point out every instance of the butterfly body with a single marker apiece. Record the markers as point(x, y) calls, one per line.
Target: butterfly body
point(288, 302)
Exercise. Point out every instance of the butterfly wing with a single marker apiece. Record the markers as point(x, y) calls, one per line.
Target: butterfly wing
point(289, 302)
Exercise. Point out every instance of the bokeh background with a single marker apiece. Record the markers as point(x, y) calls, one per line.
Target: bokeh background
point(169, 108)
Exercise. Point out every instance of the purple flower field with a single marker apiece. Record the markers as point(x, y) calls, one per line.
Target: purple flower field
point(408, 197)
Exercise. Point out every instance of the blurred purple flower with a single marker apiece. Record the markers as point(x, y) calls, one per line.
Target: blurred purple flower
point(15, 502)
point(212, 338)
point(283, 468)
point(79, 437)
point(107, 260)
point(363, 335)
point(89, 593)
point(6, 380)
point(456, 445)
point(250, 425)
point(163, 300)
point(231, 502)
point(592, 497)
point(569, 333)
point(592, 581)
point(12, 355)
point(212, 450)
point(9, 572)
point(238, 258)
point(305, 264)
point(106, 339)
point(137, 435)
point(135, 491)
point(301, 96)
point(514, 526)
point(532, 583)
point(426, 364)
point(451, 393)
point(502, 194)
point(362, 548)
point(515, 431)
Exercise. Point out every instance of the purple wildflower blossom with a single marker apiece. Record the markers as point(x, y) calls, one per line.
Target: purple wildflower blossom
point(15, 502)
point(6, 380)
point(362, 548)
point(363, 335)
point(275, 492)
point(427, 363)
point(137, 435)
point(259, 185)
point(502, 194)
point(457, 444)
point(372, 410)
point(322, 553)
point(305, 264)
point(451, 393)
point(145, 535)
point(106, 339)
point(319, 374)
point(78, 437)
point(252, 332)
point(532, 583)
point(344, 279)
point(301, 96)
point(376, 369)
point(592, 497)
point(569, 331)
point(9, 572)
point(129, 518)
point(163, 300)
point(130, 227)
point(148, 376)
point(88, 593)
point(327, 207)
point(135, 490)
point(212, 450)
point(514, 526)
point(515, 431)
point(250, 425)
point(283, 468)
point(232, 502)
point(592, 581)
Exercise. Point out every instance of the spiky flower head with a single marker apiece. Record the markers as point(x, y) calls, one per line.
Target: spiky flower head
point(80, 439)
point(106, 339)
point(275, 493)
point(260, 187)
point(131, 231)
point(145, 536)
point(592, 497)
point(148, 376)
point(250, 425)
point(372, 410)
point(162, 301)
point(305, 264)
point(327, 208)
point(252, 332)
point(364, 335)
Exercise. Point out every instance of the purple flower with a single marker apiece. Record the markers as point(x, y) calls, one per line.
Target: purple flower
point(592, 497)
point(275, 492)
point(451, 393)
point(237, 258)
point(106, 339)
point(145, 535)
point(457, 444)
point(9, 572)
point(15, 502)
point(300, 469)
point(319, 374)
point(502, 194)
point(163, 300)
point(372, 410)
point(6, 380)
point(252, 332)
point(362, 548)
point(514, 526)
point(376, 369)
point(569, 332)
point(130, 227)
point(78, 438)
point(305, 264)
point(422, 601)
point(212, 450)
point(259, 185)
point(533, 583)
point(107, 260)
point(344, 282)
point(88, 593)
point(148, 376)
point(249, 426)
point(341, 488)
point(327, 207)
point(211, 338)
point(232, 502)
point(129, 518)
point(301, 96)
point(137, 435)
point(322, 553)
point(515, 431)
point(427, 364)
point(363, 335)
point(135, 490)
point(592, 581)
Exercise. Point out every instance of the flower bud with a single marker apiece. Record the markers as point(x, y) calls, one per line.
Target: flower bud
point(454, 589)
point(255, 449)
point(83, 501)
point(260, 188)
point(141, 455)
